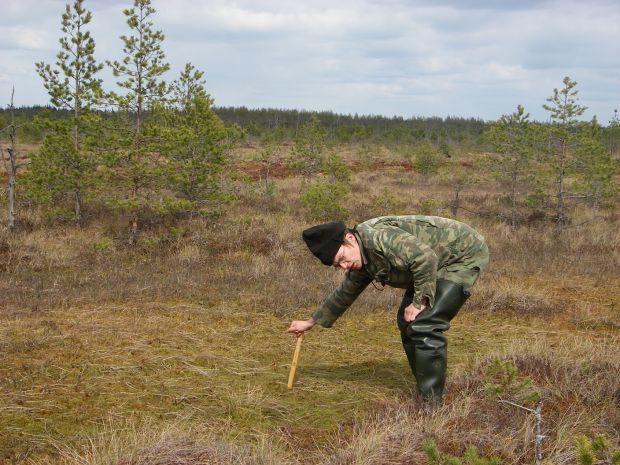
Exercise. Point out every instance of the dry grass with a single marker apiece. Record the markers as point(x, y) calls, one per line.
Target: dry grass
point(580, 393)
point(178, 443)
point(174, 351)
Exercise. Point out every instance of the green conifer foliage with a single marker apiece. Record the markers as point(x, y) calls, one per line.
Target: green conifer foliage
point(427, 158)
point(189, 86)
point(512, 138)
point(576, 151)
point(133, 165)
point(143, 64)
point(590, 451)
point(594, 168)
point(310, 147)
point(564, 109)
point(470, 456)
point(322, 196)
point(194, 140)
point(72, 86)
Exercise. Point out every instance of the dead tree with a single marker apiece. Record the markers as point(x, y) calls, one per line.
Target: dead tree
point(538, 437)
point(10, 164)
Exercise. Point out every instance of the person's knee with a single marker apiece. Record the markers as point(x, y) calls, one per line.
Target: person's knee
point(450, 298)
point(427, 332)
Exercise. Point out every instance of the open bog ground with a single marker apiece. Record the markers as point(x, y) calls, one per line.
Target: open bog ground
point(175, 351)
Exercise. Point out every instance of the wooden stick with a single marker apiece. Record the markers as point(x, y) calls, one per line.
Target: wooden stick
point(291, 375)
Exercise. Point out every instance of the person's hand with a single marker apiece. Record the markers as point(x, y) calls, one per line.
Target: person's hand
point(411, 312)
point(300, 326)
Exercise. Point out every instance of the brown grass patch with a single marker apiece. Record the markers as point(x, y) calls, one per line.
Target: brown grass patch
point(187, 328)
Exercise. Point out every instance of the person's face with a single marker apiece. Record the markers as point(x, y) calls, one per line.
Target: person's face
point(349, 257)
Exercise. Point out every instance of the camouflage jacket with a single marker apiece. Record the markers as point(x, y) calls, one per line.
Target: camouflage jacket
point(408, 252)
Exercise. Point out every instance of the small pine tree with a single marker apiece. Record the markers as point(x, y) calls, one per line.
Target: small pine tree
point(427, 158)
point(503, 380)
point(189, 86)
point(564, 109)
point(324, 200)
point(594, 168)
point(470, 456)
point(597, 450)
point(336, 169)
point(512, 137)
point(267, 156)
point(72, 86)
point(132, 168)
point(310, 146)
point(194, 140)
point(429, 446)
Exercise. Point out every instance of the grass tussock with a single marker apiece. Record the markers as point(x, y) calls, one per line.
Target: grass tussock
point(127, 443)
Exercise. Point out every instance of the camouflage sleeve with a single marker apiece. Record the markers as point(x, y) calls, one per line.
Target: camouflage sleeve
point(341, 298)
point(406, 252)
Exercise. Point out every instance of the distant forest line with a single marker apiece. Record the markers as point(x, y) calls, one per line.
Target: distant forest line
point(280, 125)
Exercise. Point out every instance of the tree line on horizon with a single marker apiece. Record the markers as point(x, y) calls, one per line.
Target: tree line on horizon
point(284, 125)
point(162, 146)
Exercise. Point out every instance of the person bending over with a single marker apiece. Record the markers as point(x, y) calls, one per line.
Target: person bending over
point(436, 260)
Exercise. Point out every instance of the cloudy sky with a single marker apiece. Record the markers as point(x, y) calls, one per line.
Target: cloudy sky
point(477, 58)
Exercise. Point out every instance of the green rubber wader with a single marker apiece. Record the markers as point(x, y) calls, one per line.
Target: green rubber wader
point(424, 340)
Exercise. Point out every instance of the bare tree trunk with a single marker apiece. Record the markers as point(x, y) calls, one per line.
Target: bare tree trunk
point(539, 436)
point(456, 203)
point(12, 170)
point(133, 220)
point(538, 439)
point(138, 119)
point(12, 192)
point(76, 146)
point(513, 195)
point(133, 228)
point(560, 214)
point(78, 206)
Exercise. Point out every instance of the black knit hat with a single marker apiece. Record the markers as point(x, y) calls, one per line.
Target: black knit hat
point(324, 240)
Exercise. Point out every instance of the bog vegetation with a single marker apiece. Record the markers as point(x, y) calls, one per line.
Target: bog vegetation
point(151, 262)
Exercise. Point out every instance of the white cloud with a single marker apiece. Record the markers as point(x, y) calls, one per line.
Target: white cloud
point(444, 57)
point(495, 71)
point(27, 38)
